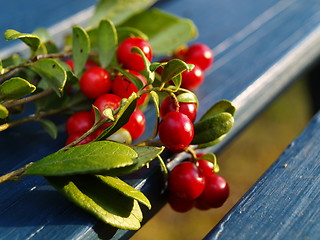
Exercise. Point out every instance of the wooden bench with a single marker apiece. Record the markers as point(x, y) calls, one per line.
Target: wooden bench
point(261, 47)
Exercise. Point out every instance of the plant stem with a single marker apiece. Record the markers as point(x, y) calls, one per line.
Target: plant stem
point(192, 152)
point(14, 175)
point(28, 99)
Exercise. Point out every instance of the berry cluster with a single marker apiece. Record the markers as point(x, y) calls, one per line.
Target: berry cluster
point(107, 89)
point(195, 184)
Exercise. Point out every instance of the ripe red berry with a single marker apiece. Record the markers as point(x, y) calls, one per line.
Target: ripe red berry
point(192, 79)
point(176, 131)
point(79, 122)
point(179, 204)
point(136, 124)
point(186, 181)
point(189, 109)
point(107, 100)
point(95, 81)
point(215, 192)
point(123, 87)
point(205, 166)
point(130, 60)
point(199, 54)
point(89, 64)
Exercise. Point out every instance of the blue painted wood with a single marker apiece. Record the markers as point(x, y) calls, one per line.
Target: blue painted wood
point(260, 47)
point(285, 201)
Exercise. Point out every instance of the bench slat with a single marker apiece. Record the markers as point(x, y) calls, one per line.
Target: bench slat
point(285, 201)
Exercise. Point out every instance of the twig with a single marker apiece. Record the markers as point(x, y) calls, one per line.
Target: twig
point(14, 175)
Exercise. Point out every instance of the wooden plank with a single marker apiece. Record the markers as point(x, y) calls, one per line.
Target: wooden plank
point(260, 46)
point(285, 201)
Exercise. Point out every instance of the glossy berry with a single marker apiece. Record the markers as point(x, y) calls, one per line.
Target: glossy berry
point(107, 100)
point(130, 60)
point(179, 204)
point(89, 64)
point(192, 79)
point(79, 122)
point(189, 109)
point(176, 131)
point(136, 124)
point(186, 181)
point(95, 81)
point(199, 54)
point(121, 136)
point(123, 87)
point(215, 192)
point(74, 136)
point(205, 166)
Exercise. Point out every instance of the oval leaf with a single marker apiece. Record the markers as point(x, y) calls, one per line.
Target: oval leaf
point(91, 158)
point(107, 42)
point(52, 73)
point(16, 87)
point(125, 189)
point(80, 48)
point(101, 200)
point(4, 113)
point(174, 68)
point(220, 107)
point(212, 128)
point(31, 40)
point(50, 127)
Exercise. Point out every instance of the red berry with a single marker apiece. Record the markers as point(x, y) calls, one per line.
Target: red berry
point(176, 131)
point(192, 79)
point(95, 81)
point(130, 60)
point(189, 109)
point(205, 166)
point(89, 64)
point(186, 181)
point(136, 124)
point(79, 122)
point(107, 100)
point(75, 136)
point(179, 204)
point(123, 87)
point(199, 54)
point(215, 193)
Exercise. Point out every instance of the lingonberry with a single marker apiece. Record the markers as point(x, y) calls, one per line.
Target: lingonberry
point(136, 124)
point(215, 192)
point(176, 131)
point(95, 81)
point(74, 136)
point(205, 166)
point(186, 181)
point(192, 79)
point(179, 204)
point(123, 87)
point(121, 136)
point(105, 101)
point(89, 64)
point(199, 54)
point(168, 105)
point(131, 60)
point(80, 121)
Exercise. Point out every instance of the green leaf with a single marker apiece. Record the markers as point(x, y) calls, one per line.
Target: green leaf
point(105, 202)
point(220, 107)
point(122, 117)
point(4, 113)
point(125, 189)
point(31, 40)
point(145, 155)
point(52, 73)
point(16, 87)
point(90, 158)
point(166, 32)
point(1, 67)
point(107, 42)
point(50, 127)
point(127, 32)
point(156, 100)
point(133, 78)
point(212, 128)
point(80, 48)
point(146, 72)
point(212, 143)
point(174, 68)
point(118, 10)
